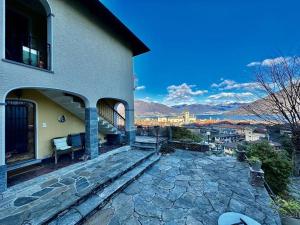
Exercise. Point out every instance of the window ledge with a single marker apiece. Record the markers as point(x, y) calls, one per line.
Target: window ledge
point(28, 66)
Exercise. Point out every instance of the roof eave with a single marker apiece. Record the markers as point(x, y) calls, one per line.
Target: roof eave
point(136, 45)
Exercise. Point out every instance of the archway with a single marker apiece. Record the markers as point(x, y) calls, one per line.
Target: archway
point(34, 117)
point(112, 121)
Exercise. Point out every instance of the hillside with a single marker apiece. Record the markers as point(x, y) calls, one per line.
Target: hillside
point(143, 108)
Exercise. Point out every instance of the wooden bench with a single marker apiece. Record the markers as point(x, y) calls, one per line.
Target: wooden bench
point(61, 147)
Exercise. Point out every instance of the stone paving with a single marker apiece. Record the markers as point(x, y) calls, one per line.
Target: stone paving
point(294, 188)
point(148, 140)
point(36, 200)
point(188, 188)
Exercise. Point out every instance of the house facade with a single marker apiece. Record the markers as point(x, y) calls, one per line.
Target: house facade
point(65, 68)
point(255, 134)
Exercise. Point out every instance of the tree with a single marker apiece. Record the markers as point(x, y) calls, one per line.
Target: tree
point(276, 165)
point(279, 87)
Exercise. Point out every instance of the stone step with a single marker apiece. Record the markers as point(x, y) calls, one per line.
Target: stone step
point(146, 143)
point(143, 146)
point(44, 198)
point(114, 175)
point(98, 199)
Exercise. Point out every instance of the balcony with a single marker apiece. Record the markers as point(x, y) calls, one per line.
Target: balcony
point(27, 34)
point(30, 51)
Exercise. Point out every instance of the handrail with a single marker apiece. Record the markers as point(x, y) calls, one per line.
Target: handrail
point(39, 51)
point(112, 116)
point(107, 104)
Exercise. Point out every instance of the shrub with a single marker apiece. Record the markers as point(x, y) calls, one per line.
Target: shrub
point(287, 144)
point(183, 134)
point(288, 208)
point(253, 159)
point(276, 165)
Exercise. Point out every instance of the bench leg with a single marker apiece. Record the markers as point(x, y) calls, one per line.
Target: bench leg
point(55, 157)
point(72, 154)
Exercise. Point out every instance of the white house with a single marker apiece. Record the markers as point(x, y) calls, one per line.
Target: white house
point(66, 65)
point(255, 134)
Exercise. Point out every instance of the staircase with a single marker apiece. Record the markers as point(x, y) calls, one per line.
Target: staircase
point(147, 146)
point(98, 197)
point(69, 195)
point(148, 143)
point(76, 106)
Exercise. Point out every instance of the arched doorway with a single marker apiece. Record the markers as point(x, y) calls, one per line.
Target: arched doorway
point(20, 129)
point(34, 117)
point(112, 122)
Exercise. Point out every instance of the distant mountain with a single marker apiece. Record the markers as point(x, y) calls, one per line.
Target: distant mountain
point(207, 109)
point(143, 108)
point(261, 106)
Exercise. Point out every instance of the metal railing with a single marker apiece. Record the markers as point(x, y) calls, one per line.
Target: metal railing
point(29, 50)
point(153, 131)
point(161, 134)
point(111, 115)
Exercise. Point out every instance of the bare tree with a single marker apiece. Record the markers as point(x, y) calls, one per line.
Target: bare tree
point(279, 90)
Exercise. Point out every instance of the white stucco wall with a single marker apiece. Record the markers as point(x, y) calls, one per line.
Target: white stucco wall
point(86, 59)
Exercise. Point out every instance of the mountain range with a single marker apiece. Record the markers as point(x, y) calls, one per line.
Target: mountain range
point(145, 108)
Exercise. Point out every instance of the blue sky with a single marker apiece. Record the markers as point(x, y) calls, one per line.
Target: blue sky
point(206, 51)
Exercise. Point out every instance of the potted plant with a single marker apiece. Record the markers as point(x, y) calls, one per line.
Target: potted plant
point(255, 163)
point(289, 211)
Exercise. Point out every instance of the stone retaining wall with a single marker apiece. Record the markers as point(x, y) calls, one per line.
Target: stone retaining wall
point(188, 146)
point(3, 178)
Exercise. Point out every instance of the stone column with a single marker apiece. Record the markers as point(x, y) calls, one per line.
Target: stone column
point(91, 132)
point(129, 126)
point(3, 173)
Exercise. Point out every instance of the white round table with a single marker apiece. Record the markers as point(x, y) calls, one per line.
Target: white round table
point(230, 218)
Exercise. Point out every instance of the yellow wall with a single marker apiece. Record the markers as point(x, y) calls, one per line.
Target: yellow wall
point(48, 112)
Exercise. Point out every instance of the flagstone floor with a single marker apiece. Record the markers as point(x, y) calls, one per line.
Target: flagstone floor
point(188, 188)
point(36, 200)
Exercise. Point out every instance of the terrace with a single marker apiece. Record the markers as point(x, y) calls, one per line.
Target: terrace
point(127, 186)
point(188, 188)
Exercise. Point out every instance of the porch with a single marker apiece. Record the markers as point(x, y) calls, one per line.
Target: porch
point(43, 198)
point(39, 168)
point(33, 118)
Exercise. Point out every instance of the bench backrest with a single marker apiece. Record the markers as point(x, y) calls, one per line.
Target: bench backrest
point(60, 143)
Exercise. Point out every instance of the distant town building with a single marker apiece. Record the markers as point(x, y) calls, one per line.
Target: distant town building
point(287, 132)
point(184, 119)
point(277, 146)
point(188, 118)
point(227, 138)
point(229, 148)
point(255, 134)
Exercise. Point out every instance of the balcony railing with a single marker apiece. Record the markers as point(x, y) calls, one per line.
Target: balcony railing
point(28, 50)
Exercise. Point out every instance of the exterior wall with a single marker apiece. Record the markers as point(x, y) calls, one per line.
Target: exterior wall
point(252, 136)
point(87, 60)
point(82, 50)
point(48, 112)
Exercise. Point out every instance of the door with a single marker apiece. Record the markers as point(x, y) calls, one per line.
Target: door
point(19, 131)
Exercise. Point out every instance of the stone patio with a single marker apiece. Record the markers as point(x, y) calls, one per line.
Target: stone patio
point(188, 188)
point(294, 188)
point(41, 199)
point(149, 140)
